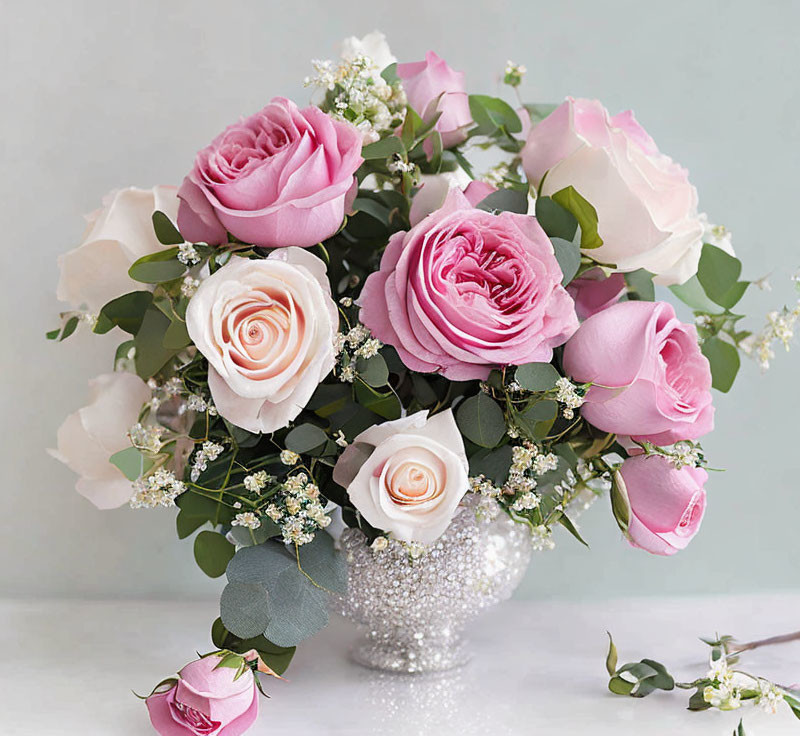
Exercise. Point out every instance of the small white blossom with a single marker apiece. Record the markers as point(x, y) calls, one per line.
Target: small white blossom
point(513, 74)
point(160, 488)
point(256, 482)
point(544, 463)
point(398, 165)
point(274, 512)
point(340, 439)
point(187, 254)
point(346, 301)
point(289, 457)
point(189, 286)
point(248, 520)
point(369, 348)
point(209, 452)
point(526, 501)
point(146, 437)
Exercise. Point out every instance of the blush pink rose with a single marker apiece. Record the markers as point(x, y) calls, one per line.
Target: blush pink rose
point(431, 86)
point(654, 383)
point(206, 700)
point(593, 291)
point(279, 177)
point(465, 291)
point(667, 505)
point(646, 206)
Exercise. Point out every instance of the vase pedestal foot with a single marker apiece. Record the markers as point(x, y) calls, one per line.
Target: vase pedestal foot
point(414, 655)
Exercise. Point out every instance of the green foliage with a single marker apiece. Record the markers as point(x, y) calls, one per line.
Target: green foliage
point(158, 268)
point(692, 294)
point(245, 609)
point(620, 504)
point(131, 462)
point(126, 312)
point(640, 285)
point(505, 200)
point(305, 438)
point(637, 679)
point(724, 360)
point(718, 273)
point(151, 354)
point(481, 420)
point(492, 114)
point(166, 232)
point(568, 255)
point(539, 112)
point(494, 464)
point(212, 552)
point(584, 213)
point(373, 371)
point(383, 148)
point(555, 220)
point(537, 376)
point(62, 333)
point(195, 510)
point(278, 658)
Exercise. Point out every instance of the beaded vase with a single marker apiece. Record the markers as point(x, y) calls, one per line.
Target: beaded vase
point(414, 604)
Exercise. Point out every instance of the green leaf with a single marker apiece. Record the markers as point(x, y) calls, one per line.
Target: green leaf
point(618, 686)
point(640, 282)
point(692, 294)
point(567, 523)
point(329, 398)
point(373, 370)
point(278, 658)
point(305, 437)
point(611, 657)
point(372, 208)
point(245, 608)
point(177, 336)
point(505, 200)
point(556, 221)
point(739, 730)
point(662, 680)
point(536, 376)
point(491, 113)
point(131, 462)
point(724, 360)
point(584, 213)
point(245, 537)
point(69, 328)
point(300, 609)
point(385, 404)
point(638, 670)
point(151, 355)
point(620, 505)
point(166, 232)
point(568, 255)
point(125, 312)
point(320, 560)
point(383, 148)
point(717, 272)
point(494, 464)
point(194, 511)
point(539, 112)
point(157, 268)
point(53, 334)
point(212, 552)
point(541, 411)
point(698, 701)
point(481, 420)
point(389, 74)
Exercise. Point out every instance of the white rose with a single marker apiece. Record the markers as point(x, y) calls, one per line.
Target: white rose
point(373, 45)
point(646, 206)
point(120, 233)
point(266, 328)
point(90, 436)
point(407, 476)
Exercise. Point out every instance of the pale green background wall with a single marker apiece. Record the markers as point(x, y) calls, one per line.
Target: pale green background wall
point(105, 94)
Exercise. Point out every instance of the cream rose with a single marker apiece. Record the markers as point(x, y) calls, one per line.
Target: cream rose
point(116, 235)
point(266, 328)
point(407, 476)
point(90, 436)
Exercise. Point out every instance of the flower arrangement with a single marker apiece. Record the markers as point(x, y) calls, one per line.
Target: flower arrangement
point(336, 316)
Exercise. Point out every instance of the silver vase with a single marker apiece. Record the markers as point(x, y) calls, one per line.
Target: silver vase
point(414, 609)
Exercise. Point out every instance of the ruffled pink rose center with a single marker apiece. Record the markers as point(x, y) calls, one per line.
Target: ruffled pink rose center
point(194, 719)
point(683, 364)
point(414, 476)
point(263, 332)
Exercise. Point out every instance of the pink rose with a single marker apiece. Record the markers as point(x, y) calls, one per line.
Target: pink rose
point(646, 206)
point(464, 291)
point(593, 291)
point(654, 383)
point(432, 86)
point(206, 700)
point(667, 505)
point(279, 177)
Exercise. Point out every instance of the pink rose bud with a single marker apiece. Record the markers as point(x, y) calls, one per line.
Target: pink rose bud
point(593, 291)
point(279, 177)
point(653, 382)
point(464, 291)
point(432, 86)
point(667, 504)
point(206, 700)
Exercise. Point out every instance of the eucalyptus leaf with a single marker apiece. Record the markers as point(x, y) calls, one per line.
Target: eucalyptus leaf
point(494, 464)
point(640, 282)
point(556, 221)
point(568, 255)
point(195, 510)
point(125, 312)
point(620, 504)
point(212, 552)
point(131, 462)
point(505, 200)
point(383, 148)
point(305, 437)
point(278, 658)
point(151, 355)
point(481, 420)
point(724, 360)
point(611, 657)
point(166, 232)
point(536, 376)
point(718, 273)
point(245, 609)
point(325, 565)
point(373, 370)
point(157, 268)
point(692, 294)
point(245, 537)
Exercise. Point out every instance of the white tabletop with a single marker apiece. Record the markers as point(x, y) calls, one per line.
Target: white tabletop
point(68, 667)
